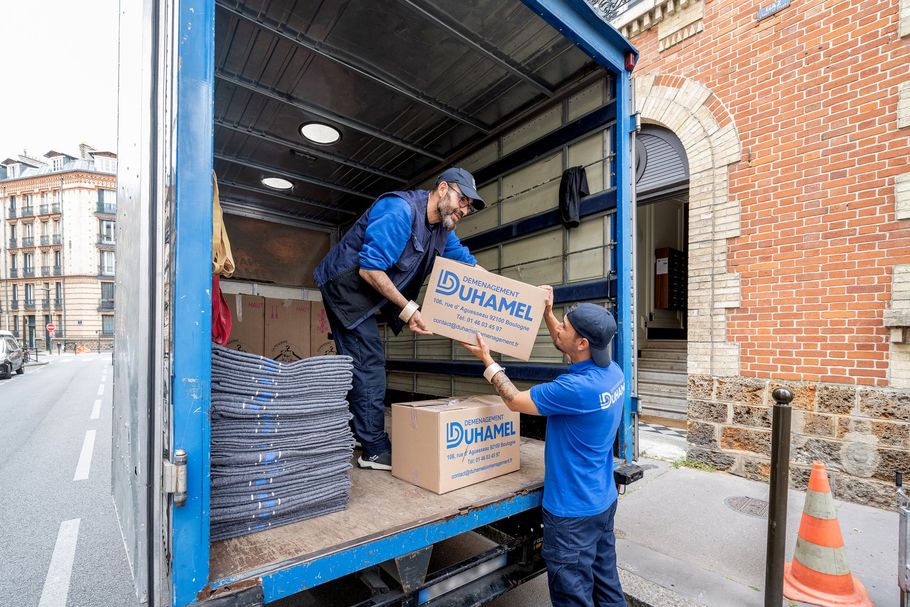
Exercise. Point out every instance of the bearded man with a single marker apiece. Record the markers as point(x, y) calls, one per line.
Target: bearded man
point(373, 274)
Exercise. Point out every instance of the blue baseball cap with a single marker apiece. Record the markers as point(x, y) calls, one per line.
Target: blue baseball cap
point(596, 324)
point(467, 184)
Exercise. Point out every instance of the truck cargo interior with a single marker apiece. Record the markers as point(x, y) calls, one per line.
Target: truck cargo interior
point(319, 108)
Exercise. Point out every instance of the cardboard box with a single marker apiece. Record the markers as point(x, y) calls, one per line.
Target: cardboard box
point(464, 300)
point(449, 443)
point(247, 323)
point(320, 342)
point(287, 329)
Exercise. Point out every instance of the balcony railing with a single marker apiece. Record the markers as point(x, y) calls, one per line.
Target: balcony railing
point(56, 239)
point(105, 304)
point(105, 270)
point(28, 241)
point(14, 273)
point(28, 211)
point(42, 209)
point(107, 208)
point(57, 270)
point(58, 302)
point(45, 240)
point(29, 304)
point(45, 270)
point(11, 212)
point(14, 304)
point(28, 272)
point(106, 240)
point(46, 304)
point(13, 243)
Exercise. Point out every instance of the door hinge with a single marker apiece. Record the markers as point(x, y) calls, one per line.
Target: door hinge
point(175, 477)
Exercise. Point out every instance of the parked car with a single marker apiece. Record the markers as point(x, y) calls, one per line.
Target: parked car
point(12, 357)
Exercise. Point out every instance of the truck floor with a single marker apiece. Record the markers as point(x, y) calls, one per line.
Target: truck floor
point(380, 506)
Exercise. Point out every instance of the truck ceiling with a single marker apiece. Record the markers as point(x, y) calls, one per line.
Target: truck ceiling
point(410, 86)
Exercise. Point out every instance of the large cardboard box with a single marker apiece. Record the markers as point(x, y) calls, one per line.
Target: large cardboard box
point(247, 323)
point(464, 300)
point(445, 444)
point(287, 329)
point(321, 343)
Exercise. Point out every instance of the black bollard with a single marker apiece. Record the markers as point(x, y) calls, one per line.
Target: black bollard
point(777, 499)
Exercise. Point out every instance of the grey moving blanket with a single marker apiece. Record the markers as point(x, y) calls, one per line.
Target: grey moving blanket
point(281, 440)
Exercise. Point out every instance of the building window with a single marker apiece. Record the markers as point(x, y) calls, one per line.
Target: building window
point(12, 261)
point(28, 260)
point(15, 293)
point(57, 260)
point(58, 293)
point(58, 163)
point(106, 235)
point(29, 294)
point(29, 230)
point(107, 263)
point(16, 326)
point(107, 325)
point(107, 296)
point(12, 231)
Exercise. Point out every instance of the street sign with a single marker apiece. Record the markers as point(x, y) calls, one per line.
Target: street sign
point(51, 327)
point(52, 334)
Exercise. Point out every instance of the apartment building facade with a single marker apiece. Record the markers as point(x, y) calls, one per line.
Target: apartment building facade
point(58, 250)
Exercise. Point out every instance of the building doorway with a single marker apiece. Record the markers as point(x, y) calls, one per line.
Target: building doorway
point(662, 193)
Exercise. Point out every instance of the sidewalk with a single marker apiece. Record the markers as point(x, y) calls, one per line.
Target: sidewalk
point(674, 530)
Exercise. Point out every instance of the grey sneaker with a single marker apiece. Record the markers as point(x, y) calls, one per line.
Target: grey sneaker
point(381, 461)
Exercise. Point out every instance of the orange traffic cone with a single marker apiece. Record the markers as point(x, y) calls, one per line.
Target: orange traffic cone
point(819, 573)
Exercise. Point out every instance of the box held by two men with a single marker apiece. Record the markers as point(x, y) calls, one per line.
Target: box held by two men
point(449, 443)
point(463, 300)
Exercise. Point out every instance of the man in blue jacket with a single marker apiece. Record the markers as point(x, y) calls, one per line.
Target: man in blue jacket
point(583, 407)
point(374, 273)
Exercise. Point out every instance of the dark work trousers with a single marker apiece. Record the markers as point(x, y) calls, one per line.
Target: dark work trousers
point(580, 553)
point(367, 396)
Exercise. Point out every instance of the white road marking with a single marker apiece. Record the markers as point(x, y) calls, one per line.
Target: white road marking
point(85, 457)
point(57, 582)
point(96, 409)
point(100, 389)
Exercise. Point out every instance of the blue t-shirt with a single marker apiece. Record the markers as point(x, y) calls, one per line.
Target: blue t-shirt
point(388, 231)
point(583, 407)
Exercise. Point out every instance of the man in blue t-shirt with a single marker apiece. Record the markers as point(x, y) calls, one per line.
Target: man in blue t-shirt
point(583, 407)
point(374, 273)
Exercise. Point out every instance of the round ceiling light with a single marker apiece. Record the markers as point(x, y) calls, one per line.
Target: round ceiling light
point(320, 133)
point(277, 183)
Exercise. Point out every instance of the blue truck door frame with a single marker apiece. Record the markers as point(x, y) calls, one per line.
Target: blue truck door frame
point(578, 22)
point(191, 295)
point(191, 302)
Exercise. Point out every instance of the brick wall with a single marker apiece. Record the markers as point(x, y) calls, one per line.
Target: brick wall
point(817, 95)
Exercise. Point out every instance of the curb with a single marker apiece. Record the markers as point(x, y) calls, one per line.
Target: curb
point(39, 363)
point(643, 593)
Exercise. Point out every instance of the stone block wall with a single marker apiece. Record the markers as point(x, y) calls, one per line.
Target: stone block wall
point(861, 433)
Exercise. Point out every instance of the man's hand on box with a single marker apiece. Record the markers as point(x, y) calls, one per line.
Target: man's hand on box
point(548, 303)
point(480, 350)
point(416, 325)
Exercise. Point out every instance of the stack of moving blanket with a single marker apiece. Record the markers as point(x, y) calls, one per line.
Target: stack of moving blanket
point(281, 442)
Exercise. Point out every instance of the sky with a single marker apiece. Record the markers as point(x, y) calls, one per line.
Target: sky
point(59, 75)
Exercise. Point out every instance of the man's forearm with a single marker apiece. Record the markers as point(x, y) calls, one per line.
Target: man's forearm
point(504, 387)
point(551, 321)
point(380, 281)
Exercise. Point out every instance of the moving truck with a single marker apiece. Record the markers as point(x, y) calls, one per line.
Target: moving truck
point(306, 111)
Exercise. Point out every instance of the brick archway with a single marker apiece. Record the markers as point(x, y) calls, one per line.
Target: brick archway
point(706, 130)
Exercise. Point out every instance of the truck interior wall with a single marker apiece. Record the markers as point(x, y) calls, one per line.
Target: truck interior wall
point(556, 255)
point(275, 253)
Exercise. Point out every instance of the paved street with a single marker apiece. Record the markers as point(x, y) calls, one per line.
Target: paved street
point(60, 544)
